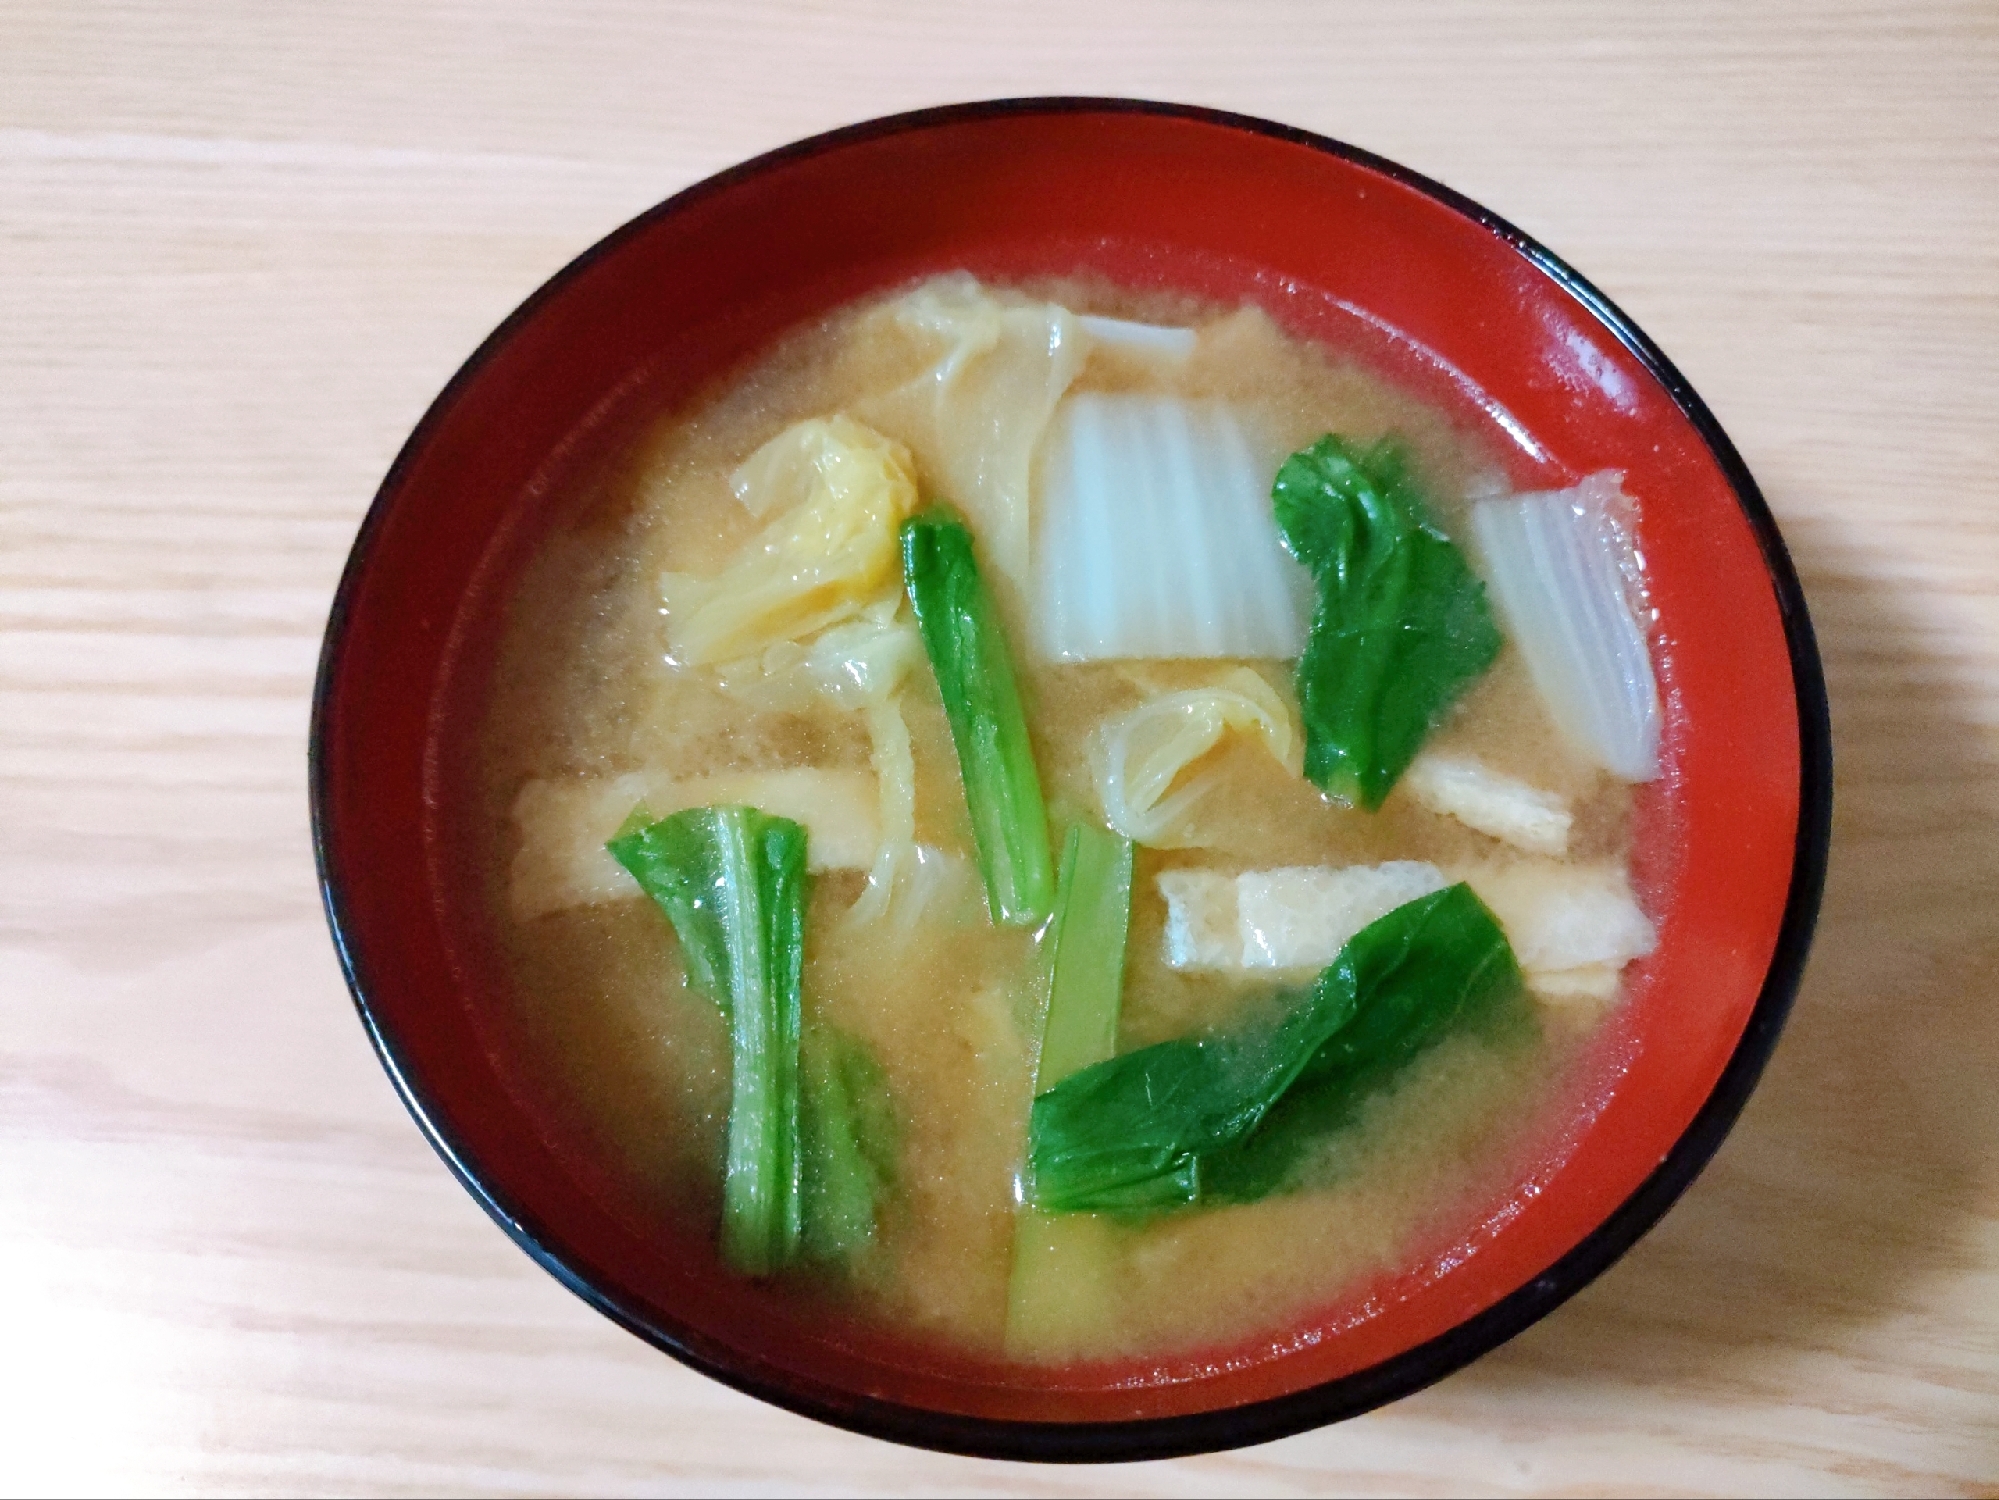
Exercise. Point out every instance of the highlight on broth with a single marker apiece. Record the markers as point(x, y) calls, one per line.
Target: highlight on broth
point(1072, 834)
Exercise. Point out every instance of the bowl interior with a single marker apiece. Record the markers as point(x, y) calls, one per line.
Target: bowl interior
point(1335, 247)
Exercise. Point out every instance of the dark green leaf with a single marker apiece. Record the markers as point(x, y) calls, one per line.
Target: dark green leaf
point(1401, 627)
point(967, 647)
point(1214, 1118)
point(1445, 969)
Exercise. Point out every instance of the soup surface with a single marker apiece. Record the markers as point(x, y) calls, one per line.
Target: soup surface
point(623, 683)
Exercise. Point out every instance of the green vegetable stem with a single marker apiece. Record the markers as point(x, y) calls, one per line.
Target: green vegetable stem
point(812, 1134)
point(1225, 1118)
point(849, 1141)
point(1061, 1264)
point(732, 881)
point(961, 632)
point(1092, 922)
point(1401, 627)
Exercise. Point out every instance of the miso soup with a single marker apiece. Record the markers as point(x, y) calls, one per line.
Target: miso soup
point(1069, 824)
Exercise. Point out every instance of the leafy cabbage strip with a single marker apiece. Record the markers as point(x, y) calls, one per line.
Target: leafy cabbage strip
point(1401, 627)
point(1228, 1117)
point(966, 643)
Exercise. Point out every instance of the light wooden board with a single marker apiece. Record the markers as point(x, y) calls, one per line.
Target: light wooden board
point(241, 245)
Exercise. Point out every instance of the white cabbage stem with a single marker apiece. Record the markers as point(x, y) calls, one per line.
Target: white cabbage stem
point(1566, 572)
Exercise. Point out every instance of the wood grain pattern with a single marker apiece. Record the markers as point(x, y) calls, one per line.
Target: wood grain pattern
point(241, 245)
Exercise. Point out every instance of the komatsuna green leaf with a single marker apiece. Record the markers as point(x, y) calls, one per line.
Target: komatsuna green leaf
point(1446, 970)
point(966, 643)
point(677, 861)
point(1057, 1260)
point(1213, 1119)
point(1401, 627)
point(732, 881)
point(1088, 937)
point(850, 1143)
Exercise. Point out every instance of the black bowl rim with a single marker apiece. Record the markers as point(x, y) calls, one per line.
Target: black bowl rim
point(1335, 1400)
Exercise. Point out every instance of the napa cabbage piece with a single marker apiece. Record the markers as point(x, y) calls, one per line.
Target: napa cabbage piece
point(993, 368)
point(1155, 537)
point(1228, 1117)
point(1157, 341)
point(1566, 571)
point(1401, 627)
point(854, 665)
point(823, 558)
point(1140, 758)
point(896, 857)
point(861, 666)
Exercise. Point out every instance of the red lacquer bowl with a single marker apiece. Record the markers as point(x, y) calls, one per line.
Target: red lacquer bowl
point(1338, 246)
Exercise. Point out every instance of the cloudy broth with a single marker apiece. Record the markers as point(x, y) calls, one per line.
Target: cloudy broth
point(947, 1001)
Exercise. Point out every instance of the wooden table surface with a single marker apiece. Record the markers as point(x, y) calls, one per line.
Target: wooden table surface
point(241, 246)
